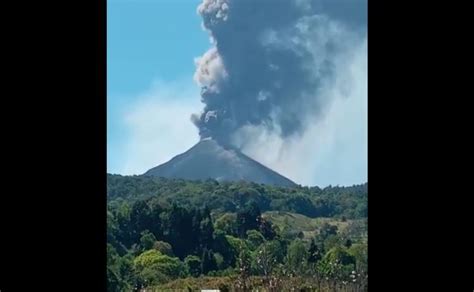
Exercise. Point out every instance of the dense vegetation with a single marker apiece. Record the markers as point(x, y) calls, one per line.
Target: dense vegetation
point(169, 234)
point(350, 202)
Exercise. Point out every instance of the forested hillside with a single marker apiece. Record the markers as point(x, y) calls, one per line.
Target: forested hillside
point(350, 202)
point(177, 234)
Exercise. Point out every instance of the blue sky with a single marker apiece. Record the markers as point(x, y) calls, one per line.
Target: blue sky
point(151, 48)
point(146, 41)
point(150, 39)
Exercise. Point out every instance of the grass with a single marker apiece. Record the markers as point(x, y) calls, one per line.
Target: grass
point(255, 284)
point(297, 222)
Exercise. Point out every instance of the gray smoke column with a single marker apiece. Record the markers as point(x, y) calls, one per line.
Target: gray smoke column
point(268, 61)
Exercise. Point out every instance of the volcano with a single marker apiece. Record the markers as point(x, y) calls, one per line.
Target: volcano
point(208, 159)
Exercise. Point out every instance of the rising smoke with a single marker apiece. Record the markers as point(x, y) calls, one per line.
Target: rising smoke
point(269, 62)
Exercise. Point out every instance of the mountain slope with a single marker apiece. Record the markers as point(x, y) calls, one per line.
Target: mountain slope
point(208, 159)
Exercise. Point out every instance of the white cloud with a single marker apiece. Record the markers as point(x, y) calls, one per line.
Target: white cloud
point(159, 126)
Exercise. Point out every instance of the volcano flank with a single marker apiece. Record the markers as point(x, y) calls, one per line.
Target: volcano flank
point(208, 159)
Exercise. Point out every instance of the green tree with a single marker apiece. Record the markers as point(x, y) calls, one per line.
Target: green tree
point(164, 267)
point(180, 231)
point(237, 244)
point(222, 245)
point(267, 256)
point(208, 261)
point(163, 247)
point(193, 265)
point(140, 218)
point(156, 224)
point(248, 218)
point(244, 262)
point(220, 262)
point(359, 252)
point(339, 253)
point(115, 281)
point(206, 229)
point(337, 265)
point(314, 252)
point(333, 241)
point(267, 229)
point(296, 256)
point(255, 239)
point(227, 224)
point(147, 240)
point(327, 237)
point(125, 230)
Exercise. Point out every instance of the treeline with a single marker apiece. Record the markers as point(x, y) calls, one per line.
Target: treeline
point(152, 242)
point(348, 202)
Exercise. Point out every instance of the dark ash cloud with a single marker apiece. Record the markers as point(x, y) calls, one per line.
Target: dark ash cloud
point(269, 60)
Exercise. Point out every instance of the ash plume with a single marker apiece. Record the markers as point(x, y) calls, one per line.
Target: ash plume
point(269, 61)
